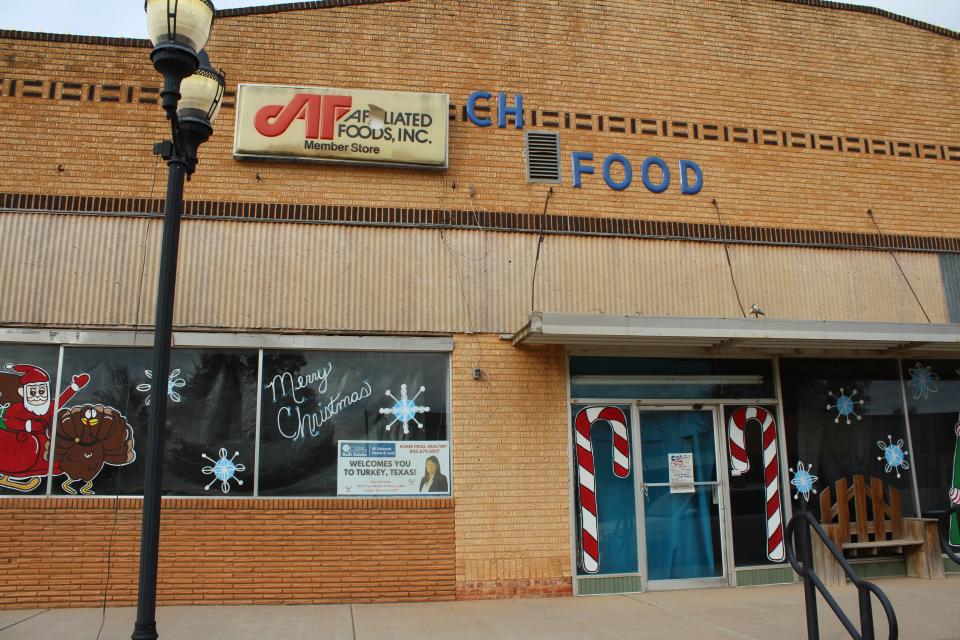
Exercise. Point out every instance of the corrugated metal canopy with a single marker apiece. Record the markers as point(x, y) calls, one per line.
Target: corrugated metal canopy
point(739, 336)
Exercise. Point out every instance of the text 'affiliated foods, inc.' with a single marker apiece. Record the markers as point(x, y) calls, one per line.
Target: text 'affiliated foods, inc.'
point(341, 125)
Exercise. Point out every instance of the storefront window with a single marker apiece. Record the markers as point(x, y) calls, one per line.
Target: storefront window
point(755, 484)
point(685, 436)
point(933, 401)
point(211, 422)
point(354, 423)
point(27, 399)
point(332, 423)
point(605, 494)
point(842, 416)
point(93, 458)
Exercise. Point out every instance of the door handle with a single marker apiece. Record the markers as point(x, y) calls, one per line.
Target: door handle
point(646, 492)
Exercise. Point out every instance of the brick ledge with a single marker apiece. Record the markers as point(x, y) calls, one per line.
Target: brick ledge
point(16, 503)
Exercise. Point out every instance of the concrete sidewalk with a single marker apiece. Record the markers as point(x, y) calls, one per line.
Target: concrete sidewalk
point(927, 610)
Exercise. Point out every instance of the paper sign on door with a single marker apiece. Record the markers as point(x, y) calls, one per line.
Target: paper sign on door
point(681, 472)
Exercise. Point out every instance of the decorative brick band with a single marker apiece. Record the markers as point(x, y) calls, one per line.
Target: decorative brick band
point(479, 220)
point(763, 136)
point(89, 92)
point(619, 124)
point(531, 588)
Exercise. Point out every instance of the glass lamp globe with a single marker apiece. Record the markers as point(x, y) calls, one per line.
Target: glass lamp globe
point(186, 22)
point(202, 93)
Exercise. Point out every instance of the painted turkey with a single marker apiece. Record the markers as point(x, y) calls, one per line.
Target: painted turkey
point(89, 437)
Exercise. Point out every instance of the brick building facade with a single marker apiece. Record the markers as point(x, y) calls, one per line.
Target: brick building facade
point(829, 149)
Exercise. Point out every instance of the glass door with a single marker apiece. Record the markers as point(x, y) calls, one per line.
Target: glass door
point(682, 497)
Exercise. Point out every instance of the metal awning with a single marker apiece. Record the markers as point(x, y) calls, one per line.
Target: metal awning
point(737, 336)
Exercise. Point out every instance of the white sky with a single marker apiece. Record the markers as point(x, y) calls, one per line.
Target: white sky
point(126, 18)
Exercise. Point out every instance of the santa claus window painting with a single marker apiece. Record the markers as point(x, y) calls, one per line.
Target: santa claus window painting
point(26, 416)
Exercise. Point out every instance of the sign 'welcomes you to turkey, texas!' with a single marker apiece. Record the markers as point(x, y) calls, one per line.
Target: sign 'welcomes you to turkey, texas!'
point(341, 125)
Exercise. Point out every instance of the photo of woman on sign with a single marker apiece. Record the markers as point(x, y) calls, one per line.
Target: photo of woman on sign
point(433, 481)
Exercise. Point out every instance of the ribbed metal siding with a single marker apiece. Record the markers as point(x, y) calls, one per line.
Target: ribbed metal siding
point(84, 271)
point(76, 270)
point(825, 284)
point(622, 276)
point(265, 276)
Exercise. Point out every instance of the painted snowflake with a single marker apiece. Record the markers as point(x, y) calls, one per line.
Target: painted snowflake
point(803, 481)
point(224, 470)
point(893, 455)
point(405, 409)
point(923, 381)
point(845, 405)
point(174, 382)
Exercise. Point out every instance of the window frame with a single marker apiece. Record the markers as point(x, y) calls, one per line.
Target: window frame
point(62, 339)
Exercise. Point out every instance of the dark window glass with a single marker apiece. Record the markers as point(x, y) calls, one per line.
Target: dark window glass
point(607, 541)
point(211, 423)
point(28, 376)
point(841, 416)
point(96, 428)
point(670, 378)
point(211, 405)
point(748, 491)
point(933, 401)
point(312, 400)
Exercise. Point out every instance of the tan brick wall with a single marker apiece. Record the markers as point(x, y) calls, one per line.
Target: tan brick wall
point(750, 63)
point(54, 551)
point(511, 468)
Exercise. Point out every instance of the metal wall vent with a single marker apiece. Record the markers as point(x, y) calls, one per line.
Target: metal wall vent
point(543, 156)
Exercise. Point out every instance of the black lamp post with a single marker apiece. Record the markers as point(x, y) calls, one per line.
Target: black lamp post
point(191, 96)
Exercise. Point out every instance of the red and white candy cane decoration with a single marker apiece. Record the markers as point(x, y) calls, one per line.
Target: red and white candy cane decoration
point(740, 464)
point(586, 418)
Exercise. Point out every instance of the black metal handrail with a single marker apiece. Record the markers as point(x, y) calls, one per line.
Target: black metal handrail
point(805, 520)
point(943, 522)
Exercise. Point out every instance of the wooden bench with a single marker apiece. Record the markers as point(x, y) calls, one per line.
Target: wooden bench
point(876, 524)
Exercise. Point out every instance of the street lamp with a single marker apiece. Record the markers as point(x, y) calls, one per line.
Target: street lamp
point(191, 96)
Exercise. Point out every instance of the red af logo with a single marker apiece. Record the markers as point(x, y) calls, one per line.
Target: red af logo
point(319, 111)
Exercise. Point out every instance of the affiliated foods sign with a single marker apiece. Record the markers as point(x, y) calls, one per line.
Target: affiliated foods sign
point(341, 125)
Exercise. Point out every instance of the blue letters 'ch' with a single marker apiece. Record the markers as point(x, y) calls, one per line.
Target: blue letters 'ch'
point(502, 110)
